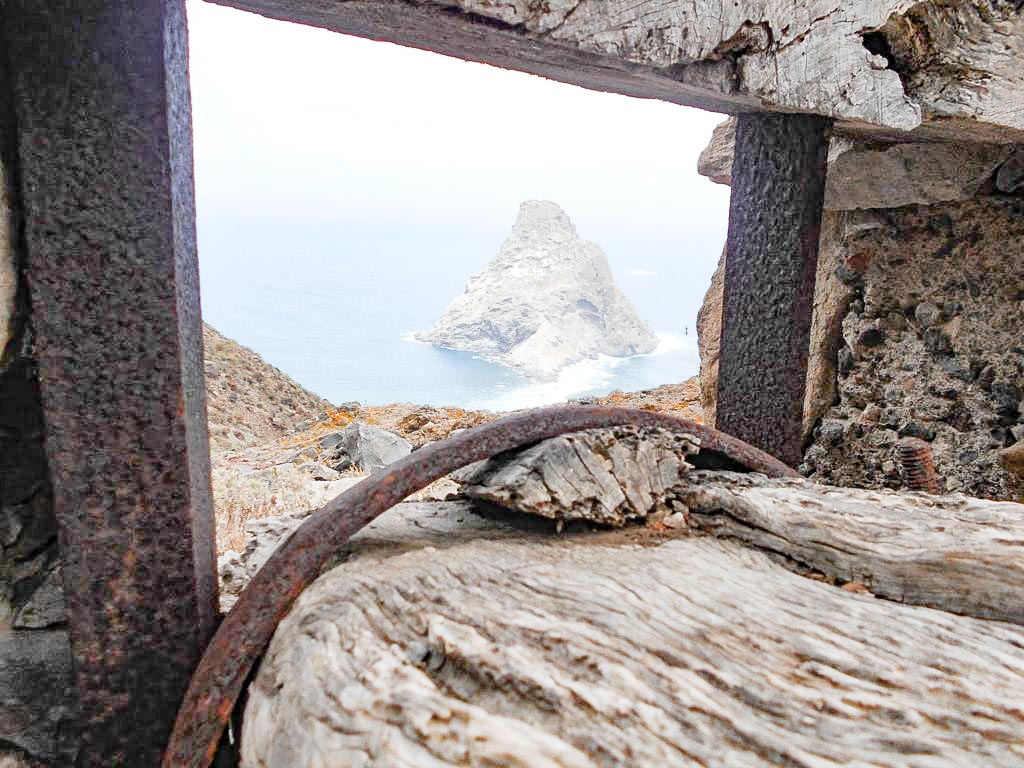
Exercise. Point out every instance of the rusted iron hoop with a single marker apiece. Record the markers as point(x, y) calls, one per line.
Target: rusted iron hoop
point(246, 631)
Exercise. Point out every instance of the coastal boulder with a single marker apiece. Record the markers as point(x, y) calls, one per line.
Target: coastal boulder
point(546, 300)
point(364, 446)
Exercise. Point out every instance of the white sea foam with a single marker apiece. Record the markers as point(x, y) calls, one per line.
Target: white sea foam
point(574, 379)
point(667, 343)
point(580, 377)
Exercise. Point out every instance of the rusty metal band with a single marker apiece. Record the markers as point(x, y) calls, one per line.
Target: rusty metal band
point(246, 631)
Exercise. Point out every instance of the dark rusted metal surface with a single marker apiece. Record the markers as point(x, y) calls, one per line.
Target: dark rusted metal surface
point(100, 89)
point(778, 187)
point(915, 457)
point(244, 634)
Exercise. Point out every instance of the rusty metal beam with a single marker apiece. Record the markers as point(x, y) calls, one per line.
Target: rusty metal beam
point(778, 188)
point(104, 148)
point(246, 631)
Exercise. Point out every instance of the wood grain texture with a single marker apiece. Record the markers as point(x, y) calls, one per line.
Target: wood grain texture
point(608, 476)
point(955, 552)
point(449, 639)
point(953, 69)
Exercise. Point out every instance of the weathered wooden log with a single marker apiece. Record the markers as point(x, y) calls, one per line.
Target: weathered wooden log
point(449, 638)
point(955, 552)
point(875, 64)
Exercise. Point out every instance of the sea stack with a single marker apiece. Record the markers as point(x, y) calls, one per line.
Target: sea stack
point(547, 300)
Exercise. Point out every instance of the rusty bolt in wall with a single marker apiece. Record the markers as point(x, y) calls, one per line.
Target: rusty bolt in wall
point(915, 457)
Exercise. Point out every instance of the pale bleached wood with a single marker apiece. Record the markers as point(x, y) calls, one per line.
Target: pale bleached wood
point(449, 639)
point(956, 69)
point(954, 552)
point(609, 476)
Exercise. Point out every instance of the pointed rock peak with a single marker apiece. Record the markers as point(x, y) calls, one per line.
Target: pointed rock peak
point(547, 300)
point(544, 218)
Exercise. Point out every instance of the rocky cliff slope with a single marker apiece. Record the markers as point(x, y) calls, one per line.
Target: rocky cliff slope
point(248, 400)
point(546, 300)
point(293, 469)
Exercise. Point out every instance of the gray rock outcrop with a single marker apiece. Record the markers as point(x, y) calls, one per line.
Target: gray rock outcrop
point(546, 300)
point(365, 447)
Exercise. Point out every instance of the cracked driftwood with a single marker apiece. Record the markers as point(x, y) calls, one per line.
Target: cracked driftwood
point(607, 476)
point(450, 638)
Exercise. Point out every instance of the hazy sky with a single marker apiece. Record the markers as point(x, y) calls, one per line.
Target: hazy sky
point(294, 122)
point(347, 188)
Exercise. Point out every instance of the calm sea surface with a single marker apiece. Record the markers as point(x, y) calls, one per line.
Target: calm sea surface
point(335, 305)
point(347, 189)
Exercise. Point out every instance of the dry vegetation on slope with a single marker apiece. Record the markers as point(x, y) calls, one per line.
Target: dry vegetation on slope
point(266, 433)
point(248, 400)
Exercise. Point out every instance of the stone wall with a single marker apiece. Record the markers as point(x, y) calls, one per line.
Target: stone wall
point(932, 346)
point(35, 658)
point(918, 308)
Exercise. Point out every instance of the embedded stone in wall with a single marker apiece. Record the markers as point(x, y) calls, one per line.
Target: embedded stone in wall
point(1010, 177)
point(709, 337)
point(861, 177)
point(953, 179)
point(18, 760)
point(37, 696)
point(715, 160)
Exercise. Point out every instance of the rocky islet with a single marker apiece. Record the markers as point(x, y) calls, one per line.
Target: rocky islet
point(547, 300)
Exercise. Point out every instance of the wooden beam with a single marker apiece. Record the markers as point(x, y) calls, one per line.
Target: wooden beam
point(778, 188)
point(461, 637)
point(104, 146)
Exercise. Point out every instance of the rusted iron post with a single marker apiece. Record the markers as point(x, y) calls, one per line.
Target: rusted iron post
point(104, 147)
point(778, 188)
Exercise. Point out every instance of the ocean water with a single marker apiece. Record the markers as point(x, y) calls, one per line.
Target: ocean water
point(347, 189)
point(335, 307)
